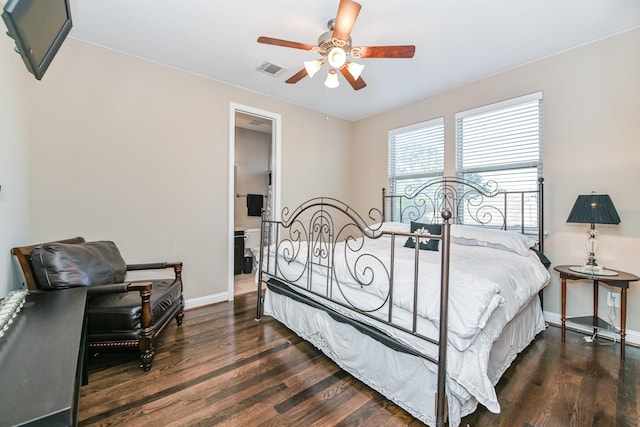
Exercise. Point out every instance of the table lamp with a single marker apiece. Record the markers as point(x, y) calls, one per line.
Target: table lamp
point(593, 209)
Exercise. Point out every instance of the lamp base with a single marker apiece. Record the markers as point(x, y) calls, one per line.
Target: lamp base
point(591, 268)
point(591, 247)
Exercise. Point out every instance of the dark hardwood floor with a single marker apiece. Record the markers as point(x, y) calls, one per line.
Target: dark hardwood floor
point(221, 367)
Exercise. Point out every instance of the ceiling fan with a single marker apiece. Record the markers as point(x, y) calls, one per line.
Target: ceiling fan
point(335, 48)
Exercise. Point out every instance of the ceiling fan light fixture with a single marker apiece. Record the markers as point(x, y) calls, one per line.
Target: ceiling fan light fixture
point(332, 79)
point(355, 69)
point(337, 57)
point(312, 67)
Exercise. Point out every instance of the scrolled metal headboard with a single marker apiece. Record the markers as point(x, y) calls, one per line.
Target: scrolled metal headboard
point(471, 203)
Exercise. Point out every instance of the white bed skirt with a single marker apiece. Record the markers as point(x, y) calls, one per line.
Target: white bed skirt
point(407, 380)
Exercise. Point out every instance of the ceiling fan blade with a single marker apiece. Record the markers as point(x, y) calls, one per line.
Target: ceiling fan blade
point(406, 51)
point(297, 76)
point(357, 84)
point(284, 43)
point(348, 11)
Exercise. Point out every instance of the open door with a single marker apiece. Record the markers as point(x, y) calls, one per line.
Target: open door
point(241, 115)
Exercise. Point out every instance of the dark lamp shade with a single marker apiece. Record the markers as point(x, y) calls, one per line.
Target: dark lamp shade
point(594, 209)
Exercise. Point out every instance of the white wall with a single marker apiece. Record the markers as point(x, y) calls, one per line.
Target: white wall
point(14, 177)
point(137, 153)
point(591, 142)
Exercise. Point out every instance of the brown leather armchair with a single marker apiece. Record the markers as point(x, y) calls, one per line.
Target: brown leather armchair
point(119, 315)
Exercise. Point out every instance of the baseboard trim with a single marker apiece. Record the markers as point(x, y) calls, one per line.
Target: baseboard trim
point(206, 300)
point(633, 337)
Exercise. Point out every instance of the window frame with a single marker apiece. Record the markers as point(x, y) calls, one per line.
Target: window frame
point(433, 138)
point(536, 96)
point(522, 191)
point(392, 163)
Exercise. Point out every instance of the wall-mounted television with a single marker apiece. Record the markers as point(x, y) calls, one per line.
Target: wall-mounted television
point(38, 28)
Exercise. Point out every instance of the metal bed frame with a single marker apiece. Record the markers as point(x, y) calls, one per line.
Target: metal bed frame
point(482, 204)
point(320, 223)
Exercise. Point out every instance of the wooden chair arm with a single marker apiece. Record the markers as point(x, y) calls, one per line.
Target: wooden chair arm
point(139, 286)
point(147, 266)
point(177, 267)
point(145, 298)
point(114, 288)
point(174, 265)
point(111, 288)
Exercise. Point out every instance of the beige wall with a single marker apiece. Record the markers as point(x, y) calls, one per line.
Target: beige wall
point(14, 142)
point(137, 153)
point(252, 155)
point(591, 142)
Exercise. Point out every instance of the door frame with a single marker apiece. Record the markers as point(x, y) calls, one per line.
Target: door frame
point(276, 142)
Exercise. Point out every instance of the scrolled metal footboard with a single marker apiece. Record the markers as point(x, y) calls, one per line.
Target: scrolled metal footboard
point(309, 235)
point(323, 240)
point(311, 238)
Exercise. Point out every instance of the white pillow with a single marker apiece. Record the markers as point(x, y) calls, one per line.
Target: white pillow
point(496, 239)
point(390, 227)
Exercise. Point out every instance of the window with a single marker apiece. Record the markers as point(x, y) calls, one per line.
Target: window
point(503, 142)
point(416, 154)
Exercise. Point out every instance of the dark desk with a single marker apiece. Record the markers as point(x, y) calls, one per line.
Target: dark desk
point(41, 360)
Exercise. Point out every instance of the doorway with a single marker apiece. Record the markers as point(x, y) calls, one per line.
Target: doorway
point(257, 175)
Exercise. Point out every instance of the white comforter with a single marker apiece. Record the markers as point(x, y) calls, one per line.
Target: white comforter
point(481, 280)
point(488, 287)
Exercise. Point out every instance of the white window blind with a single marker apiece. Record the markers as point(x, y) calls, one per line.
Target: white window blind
point(503, 142)
point(416, 153)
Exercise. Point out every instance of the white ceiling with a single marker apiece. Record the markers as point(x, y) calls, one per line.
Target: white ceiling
point(457, 41)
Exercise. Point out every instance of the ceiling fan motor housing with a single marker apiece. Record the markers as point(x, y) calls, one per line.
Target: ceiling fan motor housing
point(326, 45)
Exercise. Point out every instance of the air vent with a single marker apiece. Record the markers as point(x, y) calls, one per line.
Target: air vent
point(271, 69)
